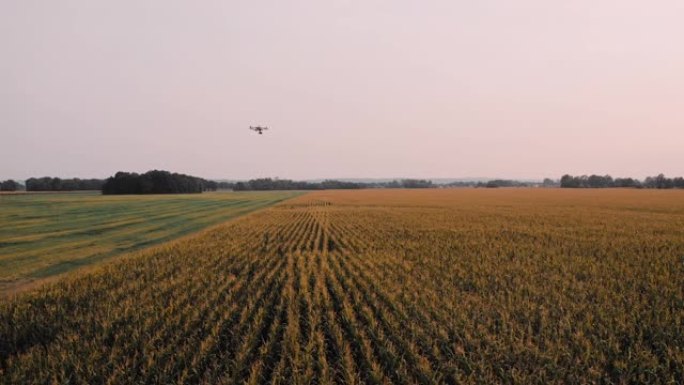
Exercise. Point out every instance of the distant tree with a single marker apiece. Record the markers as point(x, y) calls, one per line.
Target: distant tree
point(416, 183)
point(678, 182)
point(662, 182)
point(597, 181)
point(266, 184)
point(210, 185)
point(339, 185)
point(68, 185)
point(569, 181)
point(57, 184)
point(460, 183)
point(38, 184)
point(626, 182)
point(10, 185)
point(649, 182)
point(503, 183)
point(154, 182)
point(548, 182)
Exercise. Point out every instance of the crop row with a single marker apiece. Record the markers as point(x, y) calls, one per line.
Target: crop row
point(327, 290)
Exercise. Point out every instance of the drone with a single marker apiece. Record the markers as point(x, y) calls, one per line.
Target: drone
point(258, 129)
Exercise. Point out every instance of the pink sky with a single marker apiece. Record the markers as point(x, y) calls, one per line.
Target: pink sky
point(514, 89)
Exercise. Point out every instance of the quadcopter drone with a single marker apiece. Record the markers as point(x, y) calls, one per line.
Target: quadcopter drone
point(258, 129)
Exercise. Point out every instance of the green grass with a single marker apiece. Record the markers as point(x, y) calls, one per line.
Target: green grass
point(42, 235)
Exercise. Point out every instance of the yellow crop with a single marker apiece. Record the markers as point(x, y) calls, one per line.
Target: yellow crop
point(524, 286)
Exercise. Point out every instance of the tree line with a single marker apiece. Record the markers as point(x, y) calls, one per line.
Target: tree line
point(494, 183)
point(606, 181)
point(165, 182)
point(264, 184)
point(47, 183)
point(58, 184)
point(11, 185)
point(156, 182)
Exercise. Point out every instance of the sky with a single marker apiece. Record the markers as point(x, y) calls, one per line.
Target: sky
point(349, 89)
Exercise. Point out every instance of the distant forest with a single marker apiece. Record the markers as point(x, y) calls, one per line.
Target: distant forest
point(11, 185)
point(156, 182)
point(606, 181)
point(57, 184)
point(494, 183)
point(165, 182)
point(265, 184)
point(52, 184)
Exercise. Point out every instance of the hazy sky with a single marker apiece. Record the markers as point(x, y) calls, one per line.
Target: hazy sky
point(493, 88)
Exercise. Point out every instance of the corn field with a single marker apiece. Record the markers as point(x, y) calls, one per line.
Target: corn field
point(465, 286)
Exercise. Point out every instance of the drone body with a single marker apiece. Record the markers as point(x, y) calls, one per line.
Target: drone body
point(259, 129)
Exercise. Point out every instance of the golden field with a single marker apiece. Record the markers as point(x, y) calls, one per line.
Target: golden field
point(457, 286)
